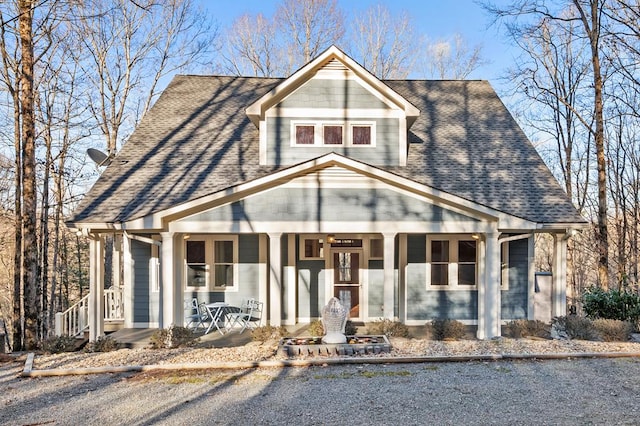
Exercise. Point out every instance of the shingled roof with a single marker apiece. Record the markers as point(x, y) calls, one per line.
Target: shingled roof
point(197, 140)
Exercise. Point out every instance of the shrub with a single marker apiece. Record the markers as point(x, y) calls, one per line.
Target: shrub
point(573, 327)
point(388, 327)
point(267, 332)
point(613, 304)
point(528, 328)
point(59, 344)
point(102, 344)
point(316, 328)
point(447, 329)
point(613, 330)
point(172, 337)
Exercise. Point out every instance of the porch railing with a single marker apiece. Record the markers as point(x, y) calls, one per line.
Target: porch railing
point(75, 320)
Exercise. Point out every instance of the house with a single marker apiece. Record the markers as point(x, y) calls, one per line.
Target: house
point(407, 199)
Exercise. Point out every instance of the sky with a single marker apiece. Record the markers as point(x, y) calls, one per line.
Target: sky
point(436, 19)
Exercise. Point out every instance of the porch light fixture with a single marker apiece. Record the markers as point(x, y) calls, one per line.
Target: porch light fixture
point(475, 236)
point(331, 238)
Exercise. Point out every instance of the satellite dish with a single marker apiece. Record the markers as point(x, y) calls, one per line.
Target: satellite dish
point(99, 157)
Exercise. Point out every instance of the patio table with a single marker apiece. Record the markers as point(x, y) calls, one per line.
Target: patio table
point(219, 313)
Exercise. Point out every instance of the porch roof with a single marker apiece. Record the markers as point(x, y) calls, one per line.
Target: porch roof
point(197, 140)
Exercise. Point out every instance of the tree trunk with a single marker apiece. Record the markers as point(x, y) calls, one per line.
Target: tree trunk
point(30, 201)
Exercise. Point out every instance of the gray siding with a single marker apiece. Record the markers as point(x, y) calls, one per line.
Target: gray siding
point(423, 304)
point(324, 93)
point(146, 304)
point(384, 153)
point(311, 286)
point(332, 204)
point(515, 300)
point(376, 288)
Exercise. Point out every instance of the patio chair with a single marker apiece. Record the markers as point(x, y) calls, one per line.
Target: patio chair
point(194, 316)
point(250, 316)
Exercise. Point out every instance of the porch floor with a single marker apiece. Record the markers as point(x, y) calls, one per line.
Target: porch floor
point(139, 338)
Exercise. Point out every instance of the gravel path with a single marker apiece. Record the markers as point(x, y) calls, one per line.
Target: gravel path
point(584, 391)
point(255, 351)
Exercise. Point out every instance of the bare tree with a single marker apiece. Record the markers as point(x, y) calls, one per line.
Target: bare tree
point(451, 59)
point(308, 27)
point(384, 44)
point(252, 48)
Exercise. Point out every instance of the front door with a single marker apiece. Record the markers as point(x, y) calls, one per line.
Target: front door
point(346, 279)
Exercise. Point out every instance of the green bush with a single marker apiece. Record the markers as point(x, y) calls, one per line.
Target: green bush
point(574, 327)
point(316, 329)
point(268, 332)
point(448, 329)
point(173, 337)
point(613, 304)
point(527, 328)
point(59, 344)
point(102, 344)
point(387, 327)
point(611, 330)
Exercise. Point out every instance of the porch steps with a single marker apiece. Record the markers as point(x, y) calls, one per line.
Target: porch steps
point(133, 338)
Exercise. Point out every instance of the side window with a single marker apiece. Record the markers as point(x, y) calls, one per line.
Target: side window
point(467, 262)
point(439, 262)
point(311, 248)
point(196, 264)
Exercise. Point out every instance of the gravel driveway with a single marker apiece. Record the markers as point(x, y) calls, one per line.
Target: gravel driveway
point(586, 391)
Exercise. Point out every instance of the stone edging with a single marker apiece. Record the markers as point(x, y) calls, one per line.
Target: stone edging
point(30, 372)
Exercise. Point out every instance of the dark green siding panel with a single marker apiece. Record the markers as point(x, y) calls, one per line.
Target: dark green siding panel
point(515, 300)
point(311, 288)
point(426, 305)
point(332, 204)
point(324, 93)
point(416, 248)
point(384, 153)
point(146, 307)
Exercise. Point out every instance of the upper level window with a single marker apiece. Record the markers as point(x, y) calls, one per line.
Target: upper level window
point(305, 135)
point(361, 135)
point(332, 133)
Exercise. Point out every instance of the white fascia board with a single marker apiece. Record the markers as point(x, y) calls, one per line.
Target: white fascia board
point(256, 110)
point(333, 227)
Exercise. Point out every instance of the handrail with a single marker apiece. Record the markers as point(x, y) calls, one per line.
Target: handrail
point(75, 320)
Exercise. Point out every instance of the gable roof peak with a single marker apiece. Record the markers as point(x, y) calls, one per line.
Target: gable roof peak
point(332, 59)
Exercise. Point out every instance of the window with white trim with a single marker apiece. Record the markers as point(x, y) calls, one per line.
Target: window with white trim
point(333, 133)
point(211, 263)
point(452, 263)
point(311, 247)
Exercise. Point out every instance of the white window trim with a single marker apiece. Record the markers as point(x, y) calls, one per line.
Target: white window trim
point(209, 263)
point(504, 266)
point(453, 263)
point(318, 133)
point(154, 269)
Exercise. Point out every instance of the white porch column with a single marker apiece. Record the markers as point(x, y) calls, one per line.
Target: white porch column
point(290, 280)
point(559, 277)
point(96, 287)
point(263, 274)
point(389, 281)
point(127, 291)
point(275, 279)
point(167, 289)
point(489, 322)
